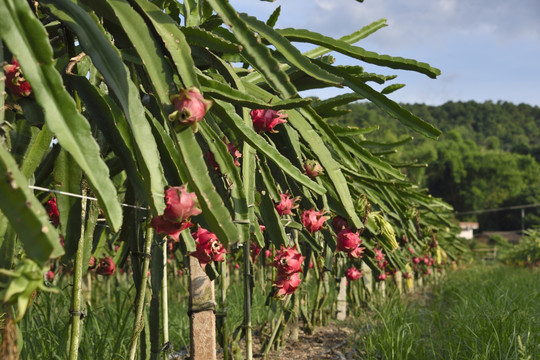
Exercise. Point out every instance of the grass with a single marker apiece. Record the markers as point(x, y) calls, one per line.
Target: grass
point(106, 326)
point(483, 312)
point(109, 317)
point(477, 313)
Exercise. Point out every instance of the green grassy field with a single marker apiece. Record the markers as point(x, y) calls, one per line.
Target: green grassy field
point(109, 317)
point(483, 312)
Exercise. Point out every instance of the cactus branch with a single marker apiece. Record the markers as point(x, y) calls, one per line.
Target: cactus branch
point(77, 286)
point(139, 305)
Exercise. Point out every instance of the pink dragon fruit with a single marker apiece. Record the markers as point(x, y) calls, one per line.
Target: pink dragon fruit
point(208, 247)
point(106, 266)
point(313, 169)
point(267, 119)
point(181, 204)
point(313, 220)
point(286, 205)
point(339, 223)
point(15, 80)
point(353, 273)
point(52, 211)
point(286, 284)
point(190, 107)
point(347, 240)
point(288, 260)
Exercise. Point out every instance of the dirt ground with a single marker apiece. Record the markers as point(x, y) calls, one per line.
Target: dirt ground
point(336, 341)
point(331, 342)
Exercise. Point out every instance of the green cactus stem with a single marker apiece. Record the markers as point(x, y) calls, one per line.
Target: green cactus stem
point(223, 285)
point(276, 326)
point(76, 311)
point(139, 302)
point(247, 299)
point(164, 300)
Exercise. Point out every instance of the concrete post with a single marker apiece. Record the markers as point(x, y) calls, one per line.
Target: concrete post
point(420, 281)
point(381, 286)
point(398, 278)
point(342, 299)
point(368, 279)
point(202, 313)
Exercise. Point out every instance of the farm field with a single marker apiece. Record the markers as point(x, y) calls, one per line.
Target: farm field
point(480, 312)
point(175, 184)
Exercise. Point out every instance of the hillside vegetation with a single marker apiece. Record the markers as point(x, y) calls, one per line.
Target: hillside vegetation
point(488, 156)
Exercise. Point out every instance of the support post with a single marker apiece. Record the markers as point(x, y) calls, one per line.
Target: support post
point(419, 281)
point(398, 278)
point(381, 287)
point(368, 279)
point(8, 346)
point(410, 283)
point(342, 299)
point(202, 313)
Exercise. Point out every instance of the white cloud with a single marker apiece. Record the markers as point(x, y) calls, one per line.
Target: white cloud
point(486, 49)
point(325, 5)
point(424, 19)
point(447, 6)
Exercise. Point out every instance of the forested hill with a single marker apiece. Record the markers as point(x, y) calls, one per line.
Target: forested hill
point(488, 156)
point(512, 127)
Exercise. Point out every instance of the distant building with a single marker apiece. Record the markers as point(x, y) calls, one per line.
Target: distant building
point(467, 229)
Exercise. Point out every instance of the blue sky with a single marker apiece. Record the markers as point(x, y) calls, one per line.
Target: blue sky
point(486, 49)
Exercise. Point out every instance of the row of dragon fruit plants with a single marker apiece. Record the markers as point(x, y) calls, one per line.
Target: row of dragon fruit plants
point(287, 260)
point(179, 126)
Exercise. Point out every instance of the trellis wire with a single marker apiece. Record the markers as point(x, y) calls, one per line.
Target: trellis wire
point(79, 196)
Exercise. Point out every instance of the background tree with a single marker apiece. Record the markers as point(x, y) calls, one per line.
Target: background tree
point(485, 159)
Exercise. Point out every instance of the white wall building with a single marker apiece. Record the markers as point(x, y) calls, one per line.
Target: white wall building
point(467, 229)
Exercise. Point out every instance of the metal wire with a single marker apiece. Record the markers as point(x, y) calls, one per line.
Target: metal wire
point(515, 207)
point(79, 196)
